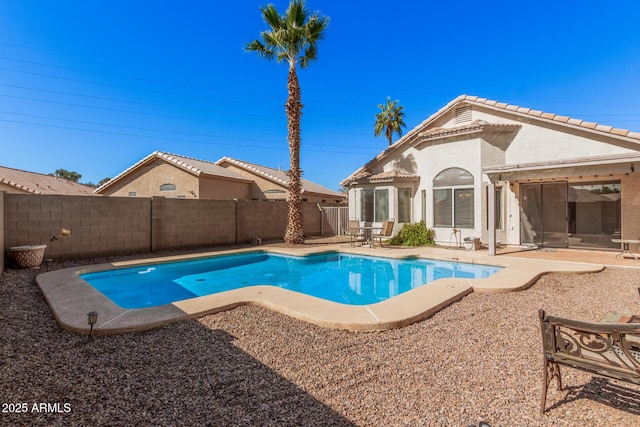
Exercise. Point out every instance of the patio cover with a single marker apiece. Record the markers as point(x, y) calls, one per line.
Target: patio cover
point(600, 165)
point(619, 163)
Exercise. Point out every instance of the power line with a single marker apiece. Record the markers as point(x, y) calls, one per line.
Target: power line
point(101, 108)
point(103, 98)
point(282, 144)
point(204, 98)
point(147, 129)
point(250, 94)
point(197, 87)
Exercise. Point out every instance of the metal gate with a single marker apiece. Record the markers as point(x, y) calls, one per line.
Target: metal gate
point(334, 220)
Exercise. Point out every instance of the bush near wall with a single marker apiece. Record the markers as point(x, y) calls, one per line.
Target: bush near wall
point(417, 234)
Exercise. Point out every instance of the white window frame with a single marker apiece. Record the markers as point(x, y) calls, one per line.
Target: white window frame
point(453, 190)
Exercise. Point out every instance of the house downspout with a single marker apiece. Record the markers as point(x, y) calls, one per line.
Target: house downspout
point(492, 218)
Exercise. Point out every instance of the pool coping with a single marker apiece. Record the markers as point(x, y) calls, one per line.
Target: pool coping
point(70, 298)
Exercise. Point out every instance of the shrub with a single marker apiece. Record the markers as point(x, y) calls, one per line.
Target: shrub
point(414, 235)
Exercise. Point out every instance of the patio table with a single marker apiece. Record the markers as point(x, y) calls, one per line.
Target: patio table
point(367, 231)
point(624, 248)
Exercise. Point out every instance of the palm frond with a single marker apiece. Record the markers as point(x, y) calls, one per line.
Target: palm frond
point(310, 55)
point(291, 37)
point(389, 120)
point(271, 16)
point(259, 48)
point(296, 14)
point(316, 25)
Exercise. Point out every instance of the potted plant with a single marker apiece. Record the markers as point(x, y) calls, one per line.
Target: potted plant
point(31, 256)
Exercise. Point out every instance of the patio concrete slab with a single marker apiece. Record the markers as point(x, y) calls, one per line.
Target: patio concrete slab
point(71, 298)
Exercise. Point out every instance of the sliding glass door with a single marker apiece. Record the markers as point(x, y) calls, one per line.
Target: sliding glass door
point(543, 214)
point(579, 215)
point(594, 212)
point(554, 215)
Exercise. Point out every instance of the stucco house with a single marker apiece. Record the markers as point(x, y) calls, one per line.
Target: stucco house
point(16, 181)
point(479, 168)
point(176, 176)
point(272, 184)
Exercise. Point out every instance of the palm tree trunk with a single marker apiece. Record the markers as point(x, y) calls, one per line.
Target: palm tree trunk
point(294, 234)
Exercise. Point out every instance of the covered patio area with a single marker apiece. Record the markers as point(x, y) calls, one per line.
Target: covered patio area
point(587, 202)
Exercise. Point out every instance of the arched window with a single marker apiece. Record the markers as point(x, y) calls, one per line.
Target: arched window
point(453, 199)
point(168, 187)
point(452, 177)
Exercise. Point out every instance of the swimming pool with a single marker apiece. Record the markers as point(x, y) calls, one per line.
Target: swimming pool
point(338, 277)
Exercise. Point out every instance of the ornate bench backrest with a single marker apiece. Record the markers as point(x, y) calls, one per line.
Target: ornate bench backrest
point(608, 349)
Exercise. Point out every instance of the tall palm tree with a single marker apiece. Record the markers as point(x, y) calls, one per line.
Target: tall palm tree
point(390, 119)
point(291, 38)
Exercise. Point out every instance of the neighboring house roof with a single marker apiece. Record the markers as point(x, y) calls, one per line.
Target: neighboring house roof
point(277, 176)
point(190, 165)
point(423, 131)
point(37, 183)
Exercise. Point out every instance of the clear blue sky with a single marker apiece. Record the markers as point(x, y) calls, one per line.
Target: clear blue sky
point(94, 86)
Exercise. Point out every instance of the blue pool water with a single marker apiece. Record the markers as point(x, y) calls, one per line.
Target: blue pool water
point(343, 278)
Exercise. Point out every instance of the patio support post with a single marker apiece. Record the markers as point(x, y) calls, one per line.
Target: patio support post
point(492, 218)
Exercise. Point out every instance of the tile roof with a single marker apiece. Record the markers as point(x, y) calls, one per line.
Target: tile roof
point(419, 130)
point(475, 126)
point(198, 166)
point(547, 116)
point(277, 175)
point(384, 176)
point(192, 165)
point(37, 183)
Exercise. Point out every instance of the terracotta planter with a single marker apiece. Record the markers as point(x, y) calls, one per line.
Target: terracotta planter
point(28, 256)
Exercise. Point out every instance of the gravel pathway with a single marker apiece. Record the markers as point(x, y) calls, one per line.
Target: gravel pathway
point(478, 359)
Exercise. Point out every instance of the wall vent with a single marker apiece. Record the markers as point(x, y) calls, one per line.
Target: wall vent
point(463, 114)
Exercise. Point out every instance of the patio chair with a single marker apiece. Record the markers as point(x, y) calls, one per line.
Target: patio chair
point(384, 232)
point(354, 231)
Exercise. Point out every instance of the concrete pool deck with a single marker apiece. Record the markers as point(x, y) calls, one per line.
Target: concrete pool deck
point(71, 298)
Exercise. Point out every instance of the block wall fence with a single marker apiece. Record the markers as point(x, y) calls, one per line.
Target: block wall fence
point(103, 226)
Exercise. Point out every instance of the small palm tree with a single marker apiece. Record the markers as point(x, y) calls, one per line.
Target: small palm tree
point(390, 120)
point(291, 38)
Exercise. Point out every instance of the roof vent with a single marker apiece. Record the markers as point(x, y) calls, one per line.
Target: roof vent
point(463, 114)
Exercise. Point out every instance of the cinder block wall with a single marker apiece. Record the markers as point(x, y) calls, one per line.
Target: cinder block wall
point(102, 226)
point(312, 219)
point(179, 224)
point(2, 226)
point(98, 225)
point(268, 220)
point(258, 218)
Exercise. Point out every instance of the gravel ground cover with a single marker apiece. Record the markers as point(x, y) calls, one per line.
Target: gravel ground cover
point(478, 359)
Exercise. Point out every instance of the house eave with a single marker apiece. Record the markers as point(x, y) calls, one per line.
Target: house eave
point(619, 163)
point(386, 180)
point(463, 131)
point(225, 178)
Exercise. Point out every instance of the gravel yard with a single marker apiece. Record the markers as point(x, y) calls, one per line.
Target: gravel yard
point(478, 359)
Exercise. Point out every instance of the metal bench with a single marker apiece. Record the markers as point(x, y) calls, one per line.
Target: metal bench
point(610, 350)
